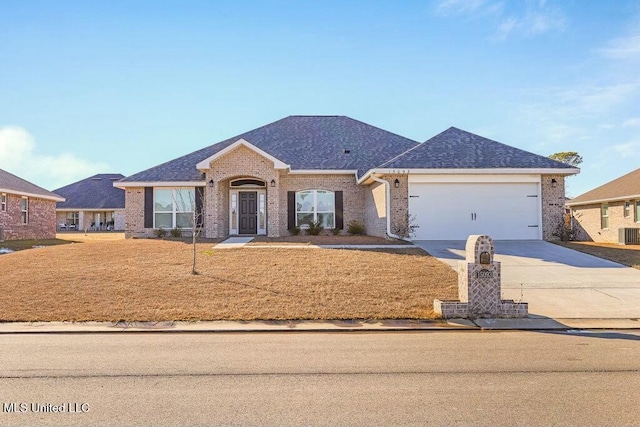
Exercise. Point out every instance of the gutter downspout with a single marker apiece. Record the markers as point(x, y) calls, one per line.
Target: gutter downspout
point(387, 193)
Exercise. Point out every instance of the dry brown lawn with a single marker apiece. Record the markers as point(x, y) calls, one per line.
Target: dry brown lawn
point(150, 280)
point(623, 254)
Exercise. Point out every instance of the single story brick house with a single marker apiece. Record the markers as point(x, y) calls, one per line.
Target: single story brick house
point(26, 210)
point(599, 214)
point(334, 170)
point(92, 204)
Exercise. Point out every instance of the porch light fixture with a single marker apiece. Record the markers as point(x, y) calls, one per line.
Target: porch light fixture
point(396, 183)
point(211, 183)
point(273, 182)
point(554, 183)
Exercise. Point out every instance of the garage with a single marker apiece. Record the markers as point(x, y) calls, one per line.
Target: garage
point(452, 208)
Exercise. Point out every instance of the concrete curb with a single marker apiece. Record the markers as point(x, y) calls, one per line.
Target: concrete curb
point(390, 325)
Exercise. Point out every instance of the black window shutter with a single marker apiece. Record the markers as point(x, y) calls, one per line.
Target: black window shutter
point(339, 211)
point(148, 207)
point(291, 209)
point(199, 211)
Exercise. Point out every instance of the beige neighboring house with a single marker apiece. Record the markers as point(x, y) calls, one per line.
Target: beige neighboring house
point(26, 210)
point(92, 204)
point(333, 170)
point(599, 215)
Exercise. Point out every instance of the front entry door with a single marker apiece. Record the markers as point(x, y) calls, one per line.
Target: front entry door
point(248, 212)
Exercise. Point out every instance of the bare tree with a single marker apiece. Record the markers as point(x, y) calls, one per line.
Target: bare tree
point(194, 204)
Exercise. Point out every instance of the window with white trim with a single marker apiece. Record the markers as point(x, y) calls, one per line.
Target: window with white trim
point(73, 219)
point(637, 211)
point(315, 206)
point(173, 207)
point(3, 202)
point(24, 208)
point(604, 216)
point(627, 209)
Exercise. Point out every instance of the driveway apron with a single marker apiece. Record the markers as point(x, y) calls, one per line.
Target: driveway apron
point(557, 282)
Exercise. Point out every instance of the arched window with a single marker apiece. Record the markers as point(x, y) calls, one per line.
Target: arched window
point(316, 206)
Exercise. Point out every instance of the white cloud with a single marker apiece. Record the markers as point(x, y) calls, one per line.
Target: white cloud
point(631, 123)
point(450, 7)
point(18, 155)
point(622, 48)
point(531, 18)
point(628, 149)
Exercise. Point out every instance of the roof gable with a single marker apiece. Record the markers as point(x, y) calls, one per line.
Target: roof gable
point(458, 149)
point(301, 142)
point(625, 187)
point(9, 183)
point(95, 192)
point(206, 163)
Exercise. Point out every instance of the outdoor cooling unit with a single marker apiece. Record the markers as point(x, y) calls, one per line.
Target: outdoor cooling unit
point(1, 234)
point(629, 236)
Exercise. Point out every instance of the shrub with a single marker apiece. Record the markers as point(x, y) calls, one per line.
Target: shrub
point(175, 232)
point(315, 228)
point(335, 231)
point(356, 227)
point(295, 230)
point(160, 232)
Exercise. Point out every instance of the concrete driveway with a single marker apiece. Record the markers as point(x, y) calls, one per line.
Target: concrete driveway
point(556, 282)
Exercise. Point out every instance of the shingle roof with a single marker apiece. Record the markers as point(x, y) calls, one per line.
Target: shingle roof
point(303, 142)
point(458, 149)
point(10, 183)
point(95, 192)
point(626, 186)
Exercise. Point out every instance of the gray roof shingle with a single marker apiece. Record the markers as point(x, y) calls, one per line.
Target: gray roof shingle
point(458, 149)
point(303, 142)
point(13, 184)
point(95, 192)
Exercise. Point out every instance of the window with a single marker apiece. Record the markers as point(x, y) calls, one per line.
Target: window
point(637, 210)
point(73, 219)
point(3, 202)
point(173, 207)
point(314, 206)
point(627, 209)
point(604, 216)
point(24, 207)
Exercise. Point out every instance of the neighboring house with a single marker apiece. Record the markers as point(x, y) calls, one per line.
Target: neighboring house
point(600, 213)
point(92, 204)
point(334, 170)
point(26, 210)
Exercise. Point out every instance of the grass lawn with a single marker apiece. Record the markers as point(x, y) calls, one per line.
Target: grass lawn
point(19, 245)
point(623, 254)
point(150, 280)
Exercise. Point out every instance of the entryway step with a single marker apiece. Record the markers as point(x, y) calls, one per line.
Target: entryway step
point(233, 242)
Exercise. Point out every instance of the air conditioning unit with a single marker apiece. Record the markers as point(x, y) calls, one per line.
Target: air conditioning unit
point(629, 236)
point(1, 234)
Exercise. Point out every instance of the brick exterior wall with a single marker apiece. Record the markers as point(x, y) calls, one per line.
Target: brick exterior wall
point(41, 219)
point(239, 163)
point(376, 210)
point(353, 196)
point(587, 221)
point(134, 216)
point(553, 205)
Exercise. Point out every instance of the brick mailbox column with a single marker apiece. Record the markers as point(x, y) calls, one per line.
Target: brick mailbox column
point(479, 278)
point(479, 287)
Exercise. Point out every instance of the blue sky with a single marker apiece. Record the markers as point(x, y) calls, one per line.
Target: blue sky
point(119, 86)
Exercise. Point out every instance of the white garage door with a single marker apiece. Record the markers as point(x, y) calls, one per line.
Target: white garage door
point(453, 211)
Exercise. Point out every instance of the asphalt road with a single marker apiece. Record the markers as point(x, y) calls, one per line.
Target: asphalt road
point(400, 378)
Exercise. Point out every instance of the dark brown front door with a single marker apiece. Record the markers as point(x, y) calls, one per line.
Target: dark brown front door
point(248, 212)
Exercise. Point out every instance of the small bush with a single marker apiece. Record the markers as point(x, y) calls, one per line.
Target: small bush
point(160, 233)
point(315, 228)
point(356, 228)
point(295, 230)
point(335, 231)
point(175, 232)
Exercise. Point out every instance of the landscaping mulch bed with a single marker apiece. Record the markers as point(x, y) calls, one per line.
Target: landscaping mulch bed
point(624, 254)
point(151, 280)
point(326, 240)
